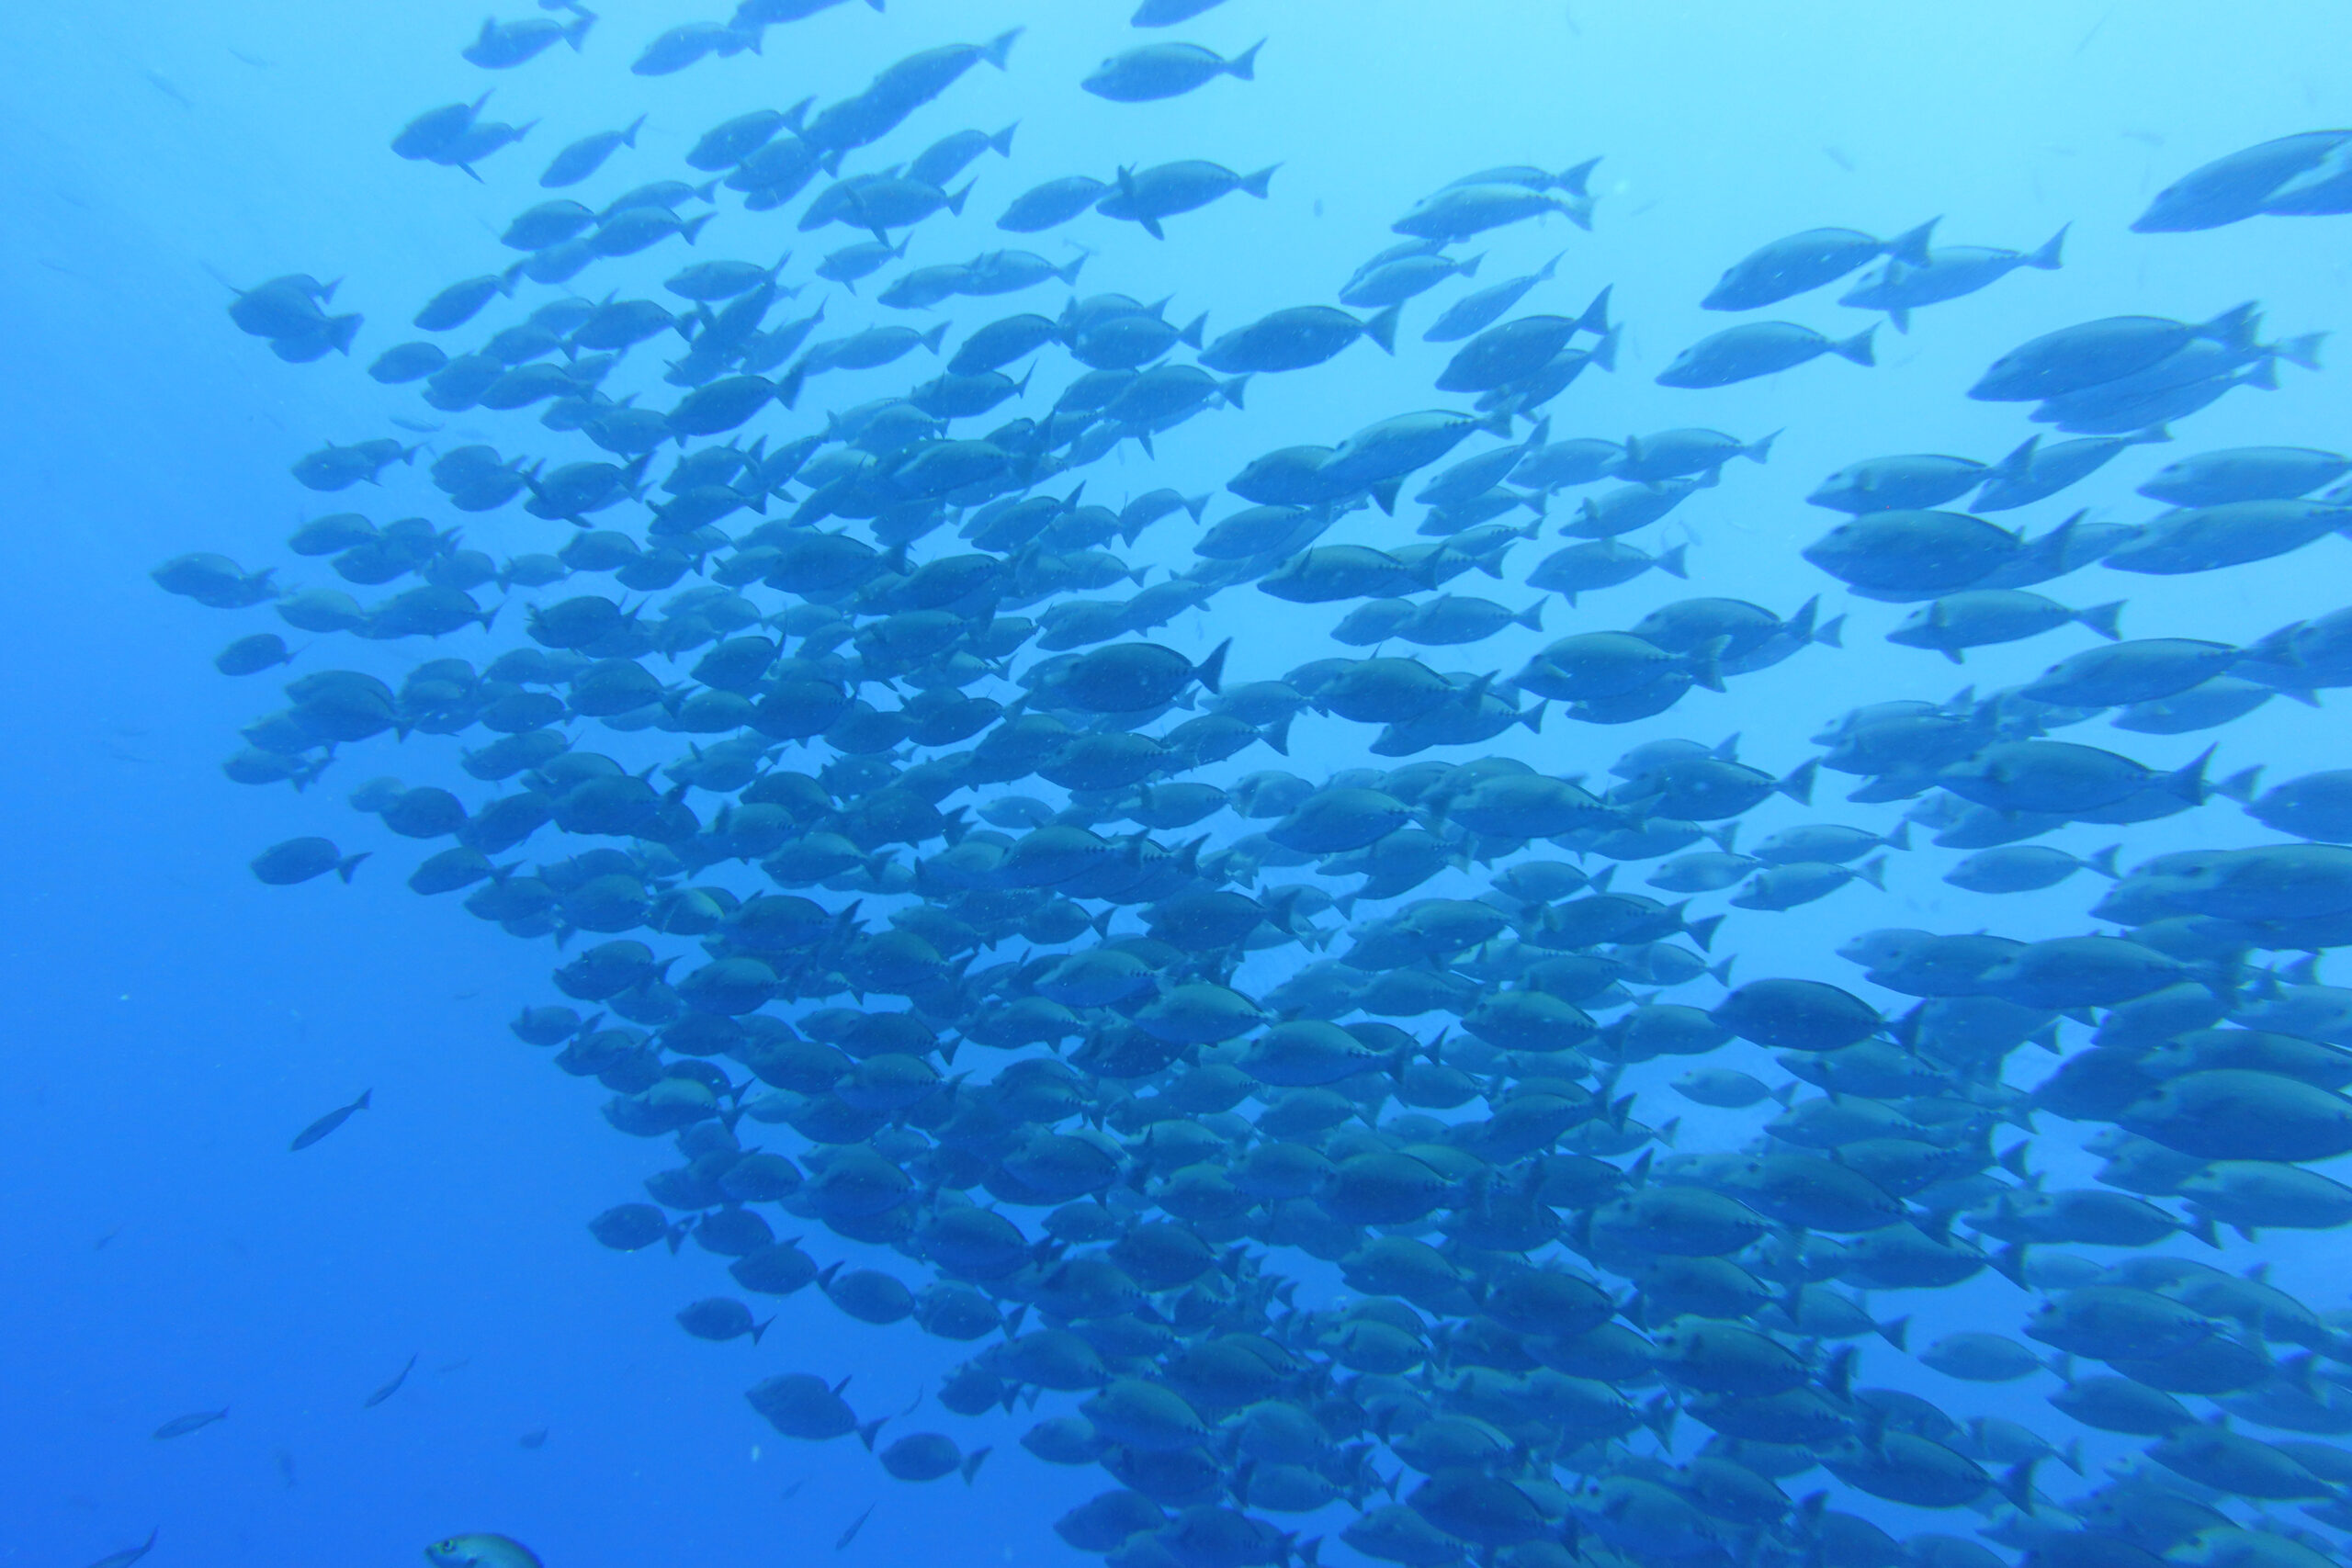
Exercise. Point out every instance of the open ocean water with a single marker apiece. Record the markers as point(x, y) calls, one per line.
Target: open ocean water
point(1015, 928)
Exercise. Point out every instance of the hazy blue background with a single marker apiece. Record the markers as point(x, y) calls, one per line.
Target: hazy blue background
point(173, 1023)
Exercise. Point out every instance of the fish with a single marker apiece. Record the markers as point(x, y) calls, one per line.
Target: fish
point(391, 1388)
point(1759, 348)
point(480, 1552)
point(1167, 71)
point(2096, 353)
point(502, 46)
point(1148, 195)
point(181, 1426)
point(578, 159)
point(991, 928)
point(1800, 262)
point(128, 1555)
point(1900, 285)
point(330, 1122)
point(2237, 185)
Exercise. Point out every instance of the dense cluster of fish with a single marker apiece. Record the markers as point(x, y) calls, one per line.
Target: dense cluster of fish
point(957, 975)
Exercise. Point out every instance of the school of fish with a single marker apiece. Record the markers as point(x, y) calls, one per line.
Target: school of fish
point(959, 923)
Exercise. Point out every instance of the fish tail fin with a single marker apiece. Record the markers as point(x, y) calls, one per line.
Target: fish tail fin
point(2188, 782)
point(972, 1463)
point(1703, 664)
point(2235, 327)
point(2241, 786)
point(1210, 672)
point(1531, 617)
point(1758, 451)
point(1595, 318)
point(2303, 350)
point(2104, 619)
point(1857, 347)
point(2009, 1263)
point(1382, 328)
point(1895, 1331)
point(574, 33)
point(1258, 184)
point(1574, 180)
point(349, 863)
point(1604, 353)
point(760, 1328)
point(2046, 258)
point(2017, 1484)
point(1900, 316)
point(1277, 734)
point(2103, 862)
point(1675, 563)
point(1798, 785)
point(1470, 267)
point(1003, 140)
point(931, 339)
point(2017, 464)
point(693, 227)
point(866, 1433)
point(1245, 66)
point(1873, 870)
point(1912, 244)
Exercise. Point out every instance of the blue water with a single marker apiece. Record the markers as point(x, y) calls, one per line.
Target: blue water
point(175, 1022)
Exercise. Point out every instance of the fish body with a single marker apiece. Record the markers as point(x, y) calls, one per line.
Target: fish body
point(480, 1552)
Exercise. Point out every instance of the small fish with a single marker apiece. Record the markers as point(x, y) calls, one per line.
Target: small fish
point(128, 1555)
point(195, 1421)
point(329, 1122)
point(391, 1388)
point(535, 1438)
point(481, 1552)
point(856, 1525)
